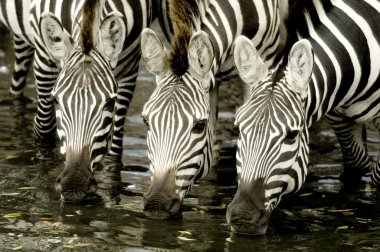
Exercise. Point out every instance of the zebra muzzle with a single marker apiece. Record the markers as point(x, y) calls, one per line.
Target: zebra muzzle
point(249, 223)
point(161, 206)
point(246, 214)
point(76, 182)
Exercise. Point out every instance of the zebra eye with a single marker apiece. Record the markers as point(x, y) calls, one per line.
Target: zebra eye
point(109, 105)
point(291, 136)
point(146, 122)
point(199, 126)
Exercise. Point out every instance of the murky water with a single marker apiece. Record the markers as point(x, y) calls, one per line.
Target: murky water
point(324, 216)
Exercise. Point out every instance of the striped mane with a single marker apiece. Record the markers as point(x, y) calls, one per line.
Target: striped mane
point(86, 34)
point(296, 11)
point(182, 14)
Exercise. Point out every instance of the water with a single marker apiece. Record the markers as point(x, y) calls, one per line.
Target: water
point(323, 216)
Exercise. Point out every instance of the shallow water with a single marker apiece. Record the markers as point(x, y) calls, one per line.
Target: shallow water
point(323, 216)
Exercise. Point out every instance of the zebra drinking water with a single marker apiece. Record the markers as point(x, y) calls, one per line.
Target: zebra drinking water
point(181, 113)
point(85, 73)
point(339, 81)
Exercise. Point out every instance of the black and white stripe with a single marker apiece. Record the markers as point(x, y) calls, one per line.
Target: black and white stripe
point(344, 86)
point(185, 99)
point(86, 124)
point(13, 15)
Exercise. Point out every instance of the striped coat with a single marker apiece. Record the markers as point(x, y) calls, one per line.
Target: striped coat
point(181, 113)
point(332, 71)
point(51, 31)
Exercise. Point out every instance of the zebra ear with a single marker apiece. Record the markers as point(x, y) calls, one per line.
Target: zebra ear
point(249, 65)
point(152, 52)
point(200, 54)
point(57, 40)
point(112, 36)
point(300, 64)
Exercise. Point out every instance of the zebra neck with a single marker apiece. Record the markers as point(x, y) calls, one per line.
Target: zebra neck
point(346, 57)
point(261, 21)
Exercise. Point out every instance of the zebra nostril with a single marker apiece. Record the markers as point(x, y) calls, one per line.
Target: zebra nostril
point(174, 206)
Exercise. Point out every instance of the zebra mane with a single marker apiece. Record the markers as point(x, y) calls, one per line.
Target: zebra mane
point(279, 71)
point(182, 14)
point(296, 12)
point(86, 38)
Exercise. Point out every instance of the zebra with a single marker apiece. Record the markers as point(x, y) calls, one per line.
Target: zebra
point(11, 18)
point(332, 71)
point(181, 113)
point(71, 55)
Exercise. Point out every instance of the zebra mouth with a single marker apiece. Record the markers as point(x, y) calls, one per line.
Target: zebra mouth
point(77, 193)
point(160, 215)
point(246, 226)
point(246, 229)
point(73, 196)
point(156, 207)
point(78, 196)
point(250, 223)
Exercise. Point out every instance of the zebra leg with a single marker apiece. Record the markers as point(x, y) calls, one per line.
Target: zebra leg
point(46, 74)
point(109, 184)
point(23, 57)
point(352, 137)
point(375, 176)
point(125, 94)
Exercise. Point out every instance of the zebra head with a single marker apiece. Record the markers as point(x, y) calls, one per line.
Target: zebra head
point(272, 149)
point(84, 97)
point(179, 121)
